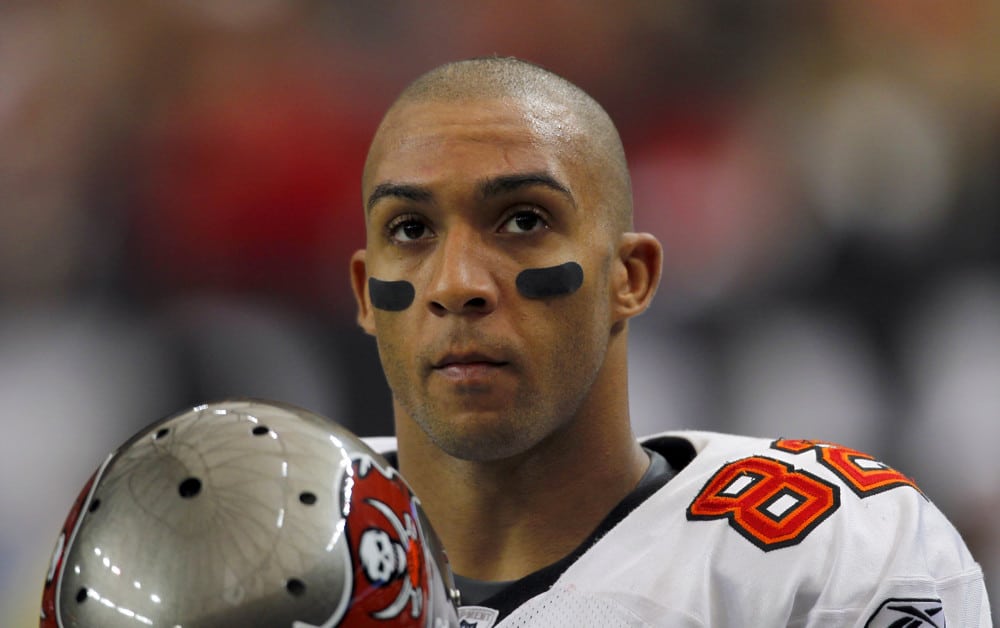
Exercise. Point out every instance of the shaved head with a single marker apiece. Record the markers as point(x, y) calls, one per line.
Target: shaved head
point(544, 97)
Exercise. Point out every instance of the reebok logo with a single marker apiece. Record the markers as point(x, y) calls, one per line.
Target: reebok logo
point(908, 613)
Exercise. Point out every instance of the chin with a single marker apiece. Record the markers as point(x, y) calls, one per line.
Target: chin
point(477, 440)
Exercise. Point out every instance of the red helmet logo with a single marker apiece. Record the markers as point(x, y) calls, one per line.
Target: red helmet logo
point(390, 575)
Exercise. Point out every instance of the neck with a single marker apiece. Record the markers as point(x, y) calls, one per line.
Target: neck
point(503, 519)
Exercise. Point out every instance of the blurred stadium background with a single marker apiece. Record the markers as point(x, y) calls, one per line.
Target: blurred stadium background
point(179, 195)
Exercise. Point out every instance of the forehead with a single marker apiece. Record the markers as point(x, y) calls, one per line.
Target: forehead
point(429, 140)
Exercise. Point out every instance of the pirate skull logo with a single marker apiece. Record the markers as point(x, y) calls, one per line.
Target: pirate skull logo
point(385, 538)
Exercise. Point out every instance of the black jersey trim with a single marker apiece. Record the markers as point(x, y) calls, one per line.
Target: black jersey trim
point(678, 451)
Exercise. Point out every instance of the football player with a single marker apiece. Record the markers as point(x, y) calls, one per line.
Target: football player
point(498, 278)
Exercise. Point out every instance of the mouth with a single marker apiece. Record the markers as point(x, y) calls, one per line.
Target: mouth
point(468, 366)
point(467, 359)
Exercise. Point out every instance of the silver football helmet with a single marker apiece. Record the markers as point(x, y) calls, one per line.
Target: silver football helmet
point(247, 513)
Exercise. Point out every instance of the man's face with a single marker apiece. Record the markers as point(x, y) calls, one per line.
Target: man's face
point(462, 198)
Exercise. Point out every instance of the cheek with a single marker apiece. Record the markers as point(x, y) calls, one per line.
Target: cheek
point(394, 347)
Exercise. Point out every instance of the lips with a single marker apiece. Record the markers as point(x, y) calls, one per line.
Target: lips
point(467, 359)
point(468, 367)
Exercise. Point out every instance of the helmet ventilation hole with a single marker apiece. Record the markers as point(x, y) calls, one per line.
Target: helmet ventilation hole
point(94, 505)
point(160, 433)
point(296, 587)
point(307, 498)
point(81, 595)
point(260, 430)
point(189, 488)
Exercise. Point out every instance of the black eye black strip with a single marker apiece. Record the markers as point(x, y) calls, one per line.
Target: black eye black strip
point(391, 296)
point(554, 281)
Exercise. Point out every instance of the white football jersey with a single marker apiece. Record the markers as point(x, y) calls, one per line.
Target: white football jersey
point(757, 532)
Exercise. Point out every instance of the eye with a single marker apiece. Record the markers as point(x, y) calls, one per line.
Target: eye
point(524, 221)
point(408, 228)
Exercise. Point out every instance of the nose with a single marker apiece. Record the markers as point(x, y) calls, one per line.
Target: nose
point(462, 282)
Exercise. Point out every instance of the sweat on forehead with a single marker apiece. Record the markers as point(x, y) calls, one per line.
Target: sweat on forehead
point(543, 96)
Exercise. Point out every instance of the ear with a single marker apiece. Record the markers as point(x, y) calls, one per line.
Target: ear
point(637, 274)
point(359, 283)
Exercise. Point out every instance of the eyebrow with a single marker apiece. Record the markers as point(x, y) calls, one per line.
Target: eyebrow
point(414, 193)
point(488, 188)
point(512, 182)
